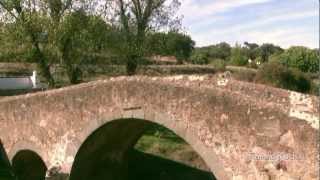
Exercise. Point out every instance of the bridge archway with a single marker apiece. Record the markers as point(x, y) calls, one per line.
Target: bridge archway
point(27, 165)
point(106, 152)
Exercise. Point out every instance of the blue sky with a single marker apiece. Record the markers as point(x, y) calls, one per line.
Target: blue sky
point(282, 22)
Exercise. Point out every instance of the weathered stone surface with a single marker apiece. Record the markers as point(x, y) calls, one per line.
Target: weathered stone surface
point(222, 119)
point(287, 140)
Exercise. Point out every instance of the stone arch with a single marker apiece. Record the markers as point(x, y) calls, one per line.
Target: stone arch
point(27, 165)
point(230, 119)
point(27, 145)
point(126, 132)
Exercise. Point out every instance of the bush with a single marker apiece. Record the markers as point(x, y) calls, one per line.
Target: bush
point(252, 65)
point(243, 75)
point(218, 64)
point(199, 58)
point(302, 58)
point(238, 57)
point(278, 75)
point(131, 66)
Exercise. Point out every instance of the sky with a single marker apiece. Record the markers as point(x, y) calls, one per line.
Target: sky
point(281, 22)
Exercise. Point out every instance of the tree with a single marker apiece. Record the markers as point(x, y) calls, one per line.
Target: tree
point(136, 19)
point(27, 14)
point(59, 32)
point(223, 51)
point(13, 46)
point(199, 58)
point(179, 45)
point(238, 56)
point(217, 51)
point(302, 58)
point(266, 50)
point(253, 50)
point(156, 43)
point(172, 43)
point(39, 21)
point(71, 42)
point(278, 75)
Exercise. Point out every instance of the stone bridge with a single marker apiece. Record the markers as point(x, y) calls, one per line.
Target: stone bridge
point(242, 131)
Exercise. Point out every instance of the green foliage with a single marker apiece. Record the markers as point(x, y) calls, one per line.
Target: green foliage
point(218, 51)
point(170, 44)
point(199, 58)
point(252, 50)
point(218, 64)
point(156, 43)
point(266, 50)
point(137, 19)
point(278, 75)
point(238, 56)
point(179, 45)
point(101, 36)
point(72, 39)
point(302, 58)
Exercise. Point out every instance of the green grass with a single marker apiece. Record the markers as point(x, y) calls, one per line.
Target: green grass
point(160, 141)
point(164, 143)
point(161, 146)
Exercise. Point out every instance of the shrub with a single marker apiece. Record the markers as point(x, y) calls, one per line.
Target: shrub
point(131, 66)
point(238, 57)
point(253, 65)
point(218, 64)
point(199, 58)
point(302, 58)
point(243, 75)
point(278, 75)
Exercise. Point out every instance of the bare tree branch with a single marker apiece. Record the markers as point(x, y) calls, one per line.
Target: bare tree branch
point(7, 9)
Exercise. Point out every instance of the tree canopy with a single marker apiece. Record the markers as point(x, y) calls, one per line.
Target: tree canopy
point(69, 31)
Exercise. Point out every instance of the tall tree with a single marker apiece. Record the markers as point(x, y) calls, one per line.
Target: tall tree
point(253, 50)
point(266, 50)
point(136, 18)
point(27, 14)
point(40, 20)
point(180, 45)
point(58, 30)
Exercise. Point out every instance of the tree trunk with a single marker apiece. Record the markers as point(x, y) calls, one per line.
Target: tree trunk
point(43, 66)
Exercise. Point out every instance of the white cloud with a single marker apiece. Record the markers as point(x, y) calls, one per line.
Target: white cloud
point(262, 21)
point(283, 25)
point(193, 10)
point(285, 37)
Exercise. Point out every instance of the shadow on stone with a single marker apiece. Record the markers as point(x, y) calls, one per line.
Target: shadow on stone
point(5, 167)
point(108, 154)
point(143, 166)
point(27, 165)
